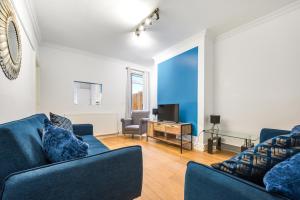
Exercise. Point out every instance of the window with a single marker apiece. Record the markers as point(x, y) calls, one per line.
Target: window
point(86, 93)
point(137, 90)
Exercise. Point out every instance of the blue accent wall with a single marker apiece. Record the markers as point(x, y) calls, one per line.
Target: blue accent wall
point(177, 82)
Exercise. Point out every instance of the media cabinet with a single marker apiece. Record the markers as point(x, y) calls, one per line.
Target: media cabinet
point(179, 134)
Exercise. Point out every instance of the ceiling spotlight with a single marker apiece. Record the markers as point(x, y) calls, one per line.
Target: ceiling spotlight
point(154, 16)
point(141, 28)
point(148, 21)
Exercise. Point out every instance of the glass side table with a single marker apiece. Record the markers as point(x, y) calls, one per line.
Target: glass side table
point(216, 135)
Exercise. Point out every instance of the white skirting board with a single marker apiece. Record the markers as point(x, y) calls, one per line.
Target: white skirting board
point(104, 123)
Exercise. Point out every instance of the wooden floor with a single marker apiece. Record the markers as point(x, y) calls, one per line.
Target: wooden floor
point(164, 166)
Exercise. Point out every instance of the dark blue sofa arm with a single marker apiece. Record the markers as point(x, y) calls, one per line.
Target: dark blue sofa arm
point(205, 183)
point(267, 133)
point(111, 175)
point(83, 129)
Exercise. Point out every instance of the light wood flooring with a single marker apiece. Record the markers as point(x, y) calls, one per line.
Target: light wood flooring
point(164, 166)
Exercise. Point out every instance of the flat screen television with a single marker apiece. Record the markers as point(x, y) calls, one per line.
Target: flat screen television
point(168, 112)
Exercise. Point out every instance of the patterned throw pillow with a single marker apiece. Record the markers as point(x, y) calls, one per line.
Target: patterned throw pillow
point(61, 122)
point(254, 163)
point(60, 144)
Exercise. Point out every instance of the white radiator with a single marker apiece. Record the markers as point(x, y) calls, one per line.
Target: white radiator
point(104, 123)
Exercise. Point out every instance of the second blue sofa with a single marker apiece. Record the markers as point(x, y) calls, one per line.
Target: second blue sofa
point(206, 183)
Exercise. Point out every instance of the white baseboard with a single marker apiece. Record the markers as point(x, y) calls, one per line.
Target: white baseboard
point(198, 145)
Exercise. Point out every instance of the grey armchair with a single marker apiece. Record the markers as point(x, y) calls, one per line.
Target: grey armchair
point(137, 125)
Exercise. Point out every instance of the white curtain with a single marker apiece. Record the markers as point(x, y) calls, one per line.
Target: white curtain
point(128, 94)
point(146, 101)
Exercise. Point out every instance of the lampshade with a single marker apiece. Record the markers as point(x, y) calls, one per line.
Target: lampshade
point(215, 119)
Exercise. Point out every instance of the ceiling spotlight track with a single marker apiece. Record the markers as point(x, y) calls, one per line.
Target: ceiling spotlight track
point(148, 21)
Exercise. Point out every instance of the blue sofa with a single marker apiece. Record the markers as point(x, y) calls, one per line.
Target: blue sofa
point(25, 173)
point(206, 183)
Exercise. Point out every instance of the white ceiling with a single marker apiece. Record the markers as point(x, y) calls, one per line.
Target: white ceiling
point(104, 26)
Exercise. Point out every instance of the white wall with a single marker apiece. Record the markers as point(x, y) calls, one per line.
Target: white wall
point(257, 70)
point(18, 97)
point(61, 66)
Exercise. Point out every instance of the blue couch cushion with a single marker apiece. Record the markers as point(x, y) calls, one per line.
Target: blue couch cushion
point(20, 145)
point(284, 178)
point(61, 122)
point(254, 163)
point(95, 146)
point(60, 144)
point(296, 129)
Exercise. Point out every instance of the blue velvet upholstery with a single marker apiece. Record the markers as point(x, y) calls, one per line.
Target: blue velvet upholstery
point(103, 176)
point(267, 133)
point(60, 144)
point(296, 129)
point(284, 178)
point(95, 146)
point(20, 145)
point(26, 175)
point(83, 129)
point(206, 183)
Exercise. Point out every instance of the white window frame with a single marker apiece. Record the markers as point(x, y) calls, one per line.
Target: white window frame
point(139, 73)
point(146, 90)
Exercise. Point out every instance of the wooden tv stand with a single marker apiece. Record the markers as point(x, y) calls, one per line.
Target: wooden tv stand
point(171, 132)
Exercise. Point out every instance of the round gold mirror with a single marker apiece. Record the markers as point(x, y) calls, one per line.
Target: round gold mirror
point(10, 44)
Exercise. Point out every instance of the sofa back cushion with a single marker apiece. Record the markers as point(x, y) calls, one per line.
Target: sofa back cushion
point(20, 145)
point(138, 115)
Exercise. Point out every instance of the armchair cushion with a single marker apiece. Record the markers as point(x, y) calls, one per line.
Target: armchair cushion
point(138, 115)
point(60, 144)
point(132, 127)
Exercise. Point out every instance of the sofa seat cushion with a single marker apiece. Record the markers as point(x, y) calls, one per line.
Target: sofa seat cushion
point(284, 178)
point(95, 146)
point(254, 163)
point(21, 145)
point(132, 128)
